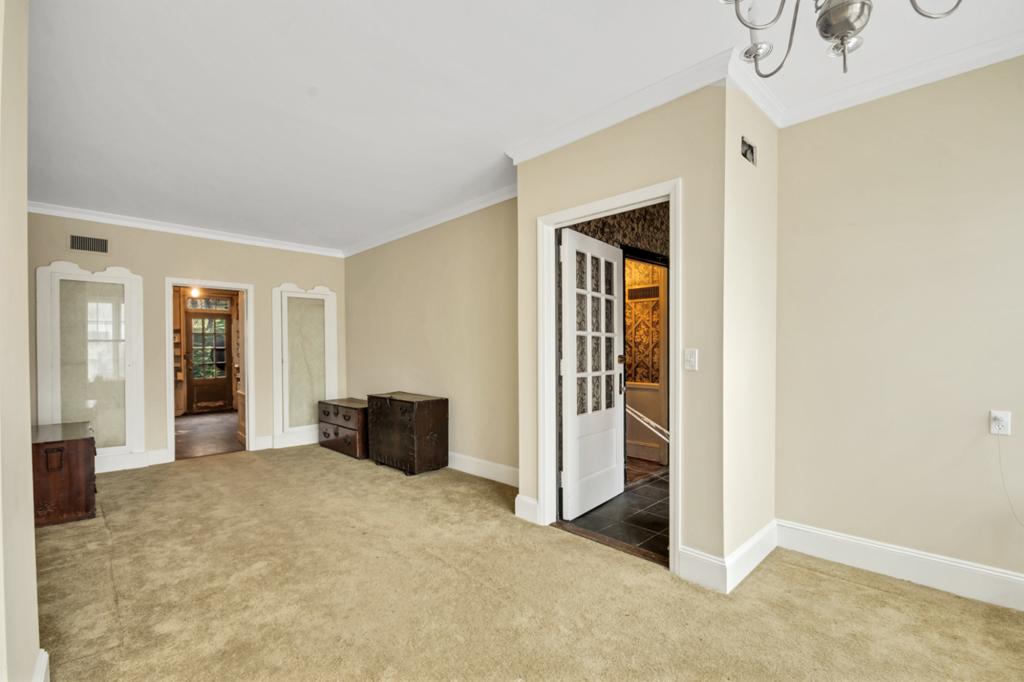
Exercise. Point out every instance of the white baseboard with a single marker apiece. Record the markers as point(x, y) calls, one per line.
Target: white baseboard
point(261, 443)
point(42, 671)
point(748, 556)
point(526, 509)
point(975, 581)
point(131, 460)
point(723, 575)
point(474, 466)
point(702, 568)
point(300, 435)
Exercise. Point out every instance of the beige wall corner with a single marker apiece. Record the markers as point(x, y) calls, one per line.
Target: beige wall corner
point(155, 256)
point(749, 314)
point(900, 318)
point(681, 139)
point(434, 313)
point(19, 624)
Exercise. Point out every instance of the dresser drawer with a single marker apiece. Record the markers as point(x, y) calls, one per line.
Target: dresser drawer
point(342, 415)
point(349, 442)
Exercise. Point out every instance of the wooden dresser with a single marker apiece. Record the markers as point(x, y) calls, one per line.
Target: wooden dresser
point(63, 473)
point(409, 431)
point(343, 426)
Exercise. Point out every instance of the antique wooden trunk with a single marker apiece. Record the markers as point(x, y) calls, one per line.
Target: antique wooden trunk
point(343, 426)
point(63, 473)
point(409, 431)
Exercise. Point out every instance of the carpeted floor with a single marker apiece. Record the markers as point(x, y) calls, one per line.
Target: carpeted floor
point(301, 564)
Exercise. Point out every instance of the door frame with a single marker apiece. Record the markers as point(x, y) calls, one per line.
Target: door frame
point(286, 435)
point(48, 279)
point(250, 349)
point(547, 364)
point(187, 350)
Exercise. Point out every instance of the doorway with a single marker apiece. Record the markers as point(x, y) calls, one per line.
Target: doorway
point(613, 388)
point(209, 352)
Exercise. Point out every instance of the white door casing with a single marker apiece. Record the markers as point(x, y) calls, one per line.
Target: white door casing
point(285, 433)
point(48, 349)
point(593, 424)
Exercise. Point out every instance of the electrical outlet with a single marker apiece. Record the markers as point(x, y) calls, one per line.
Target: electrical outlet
point(1000, 423)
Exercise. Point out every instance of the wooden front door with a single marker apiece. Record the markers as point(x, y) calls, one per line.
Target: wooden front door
point(208, 361)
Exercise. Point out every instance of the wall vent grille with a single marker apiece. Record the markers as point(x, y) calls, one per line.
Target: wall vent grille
point(642, 293)
point(95, 244)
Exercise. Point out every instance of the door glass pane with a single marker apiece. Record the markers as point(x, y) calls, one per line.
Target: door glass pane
point(595, 313)
point(92, 358)
point(581, 353)
point(581, 270)
point(581, 312)
point(609, 391)
point(595, 393)
point(595, 354)
point(307, 364)
point(595, 274)
point(609, 315)
point(609, 352)
point(609, 278)
point(581, 395)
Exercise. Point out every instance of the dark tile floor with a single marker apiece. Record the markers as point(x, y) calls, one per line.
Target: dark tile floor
point(637, 469)
point(212, 433)
point(638, 517)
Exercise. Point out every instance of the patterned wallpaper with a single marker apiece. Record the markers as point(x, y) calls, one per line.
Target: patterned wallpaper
point(643, 323)
point(643, 228)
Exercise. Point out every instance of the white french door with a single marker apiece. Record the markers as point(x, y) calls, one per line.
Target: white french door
point(593, 402)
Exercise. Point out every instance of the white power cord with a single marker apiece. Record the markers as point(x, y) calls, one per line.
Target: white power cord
point(1006, 489)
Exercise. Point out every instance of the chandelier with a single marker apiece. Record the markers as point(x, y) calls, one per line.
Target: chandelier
point(839, 22)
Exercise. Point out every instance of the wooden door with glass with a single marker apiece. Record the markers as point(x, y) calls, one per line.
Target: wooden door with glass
point(208, 360)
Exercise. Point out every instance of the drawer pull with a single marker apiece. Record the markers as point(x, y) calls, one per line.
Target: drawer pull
point(54, 459)
point(347, 417)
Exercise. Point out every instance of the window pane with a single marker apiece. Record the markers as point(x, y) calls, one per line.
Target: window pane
point(197, 324)
point(581, 395)
point(92, 358)
point(220, 325)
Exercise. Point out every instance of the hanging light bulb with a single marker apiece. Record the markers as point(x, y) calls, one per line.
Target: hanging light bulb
point(194, 293)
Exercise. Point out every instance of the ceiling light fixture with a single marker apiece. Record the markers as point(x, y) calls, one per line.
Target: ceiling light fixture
point(840, 22)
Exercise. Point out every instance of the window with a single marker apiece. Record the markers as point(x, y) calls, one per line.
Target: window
point(209, 348)
point(208, 303)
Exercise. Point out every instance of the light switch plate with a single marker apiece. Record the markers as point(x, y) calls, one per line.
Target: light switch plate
point(691, 359)
point(1000, 423)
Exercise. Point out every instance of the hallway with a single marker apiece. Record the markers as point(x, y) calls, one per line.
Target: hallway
point(212, 433)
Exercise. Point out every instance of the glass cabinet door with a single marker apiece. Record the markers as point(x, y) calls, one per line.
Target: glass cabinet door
point(93, 358)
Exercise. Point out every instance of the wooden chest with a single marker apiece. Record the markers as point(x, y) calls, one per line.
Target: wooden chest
point(343, 426)
point(409, 431)
point(63, 473)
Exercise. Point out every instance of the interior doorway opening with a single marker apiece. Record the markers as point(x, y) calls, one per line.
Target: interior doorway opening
point(612, 286)
point(209, 356)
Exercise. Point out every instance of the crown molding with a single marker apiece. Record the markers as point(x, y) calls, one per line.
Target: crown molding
point(742, 76)
point(471, 206)
point(176, 228)
point(707, 72)
point(928, 71)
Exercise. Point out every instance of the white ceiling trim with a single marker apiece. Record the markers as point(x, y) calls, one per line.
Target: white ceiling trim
point(929, 71)
point(175, 228)
point(742, 75)
point(711, 70)
point(480, 203)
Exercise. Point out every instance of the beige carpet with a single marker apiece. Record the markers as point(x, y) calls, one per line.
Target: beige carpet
point(301, 564)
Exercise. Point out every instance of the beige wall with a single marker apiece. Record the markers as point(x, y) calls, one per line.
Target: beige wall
point(902, 318)
point(749, 311)
point(435, 313)
point(19, 622)
point(156, 256)
point(683, 138)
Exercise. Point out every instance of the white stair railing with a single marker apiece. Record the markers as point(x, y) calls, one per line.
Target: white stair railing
point(657, 429)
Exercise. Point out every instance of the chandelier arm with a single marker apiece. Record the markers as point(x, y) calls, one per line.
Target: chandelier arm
point(758, 27)
point(934, 15)
point(789, 47)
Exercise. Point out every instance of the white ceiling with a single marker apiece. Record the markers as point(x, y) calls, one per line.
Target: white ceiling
point(343, 124)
